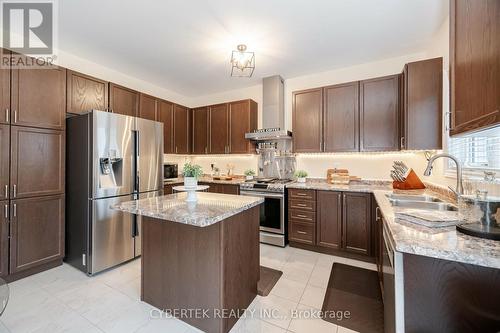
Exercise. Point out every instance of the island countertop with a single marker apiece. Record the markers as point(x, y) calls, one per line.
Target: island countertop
point(210, 208)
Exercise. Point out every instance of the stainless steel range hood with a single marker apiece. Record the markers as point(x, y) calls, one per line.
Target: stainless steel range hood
point(273, 112)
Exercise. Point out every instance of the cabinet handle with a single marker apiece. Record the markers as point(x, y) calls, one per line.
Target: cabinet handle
point(377, 213)
point(15, 116)
point(302, 194)
point(301, 205)
point(302, 232)
point(447, 121)
point(302, 216)
point(15, 210)
point(176, 149)
point(14, 190)
point(6, 211)
point(6, 191)
point(402, 142)
point(7, 113)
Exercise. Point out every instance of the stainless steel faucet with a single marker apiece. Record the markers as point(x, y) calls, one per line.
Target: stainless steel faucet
point(459, 190)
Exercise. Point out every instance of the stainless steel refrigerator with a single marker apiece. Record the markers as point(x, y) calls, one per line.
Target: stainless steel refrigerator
point(111, 158)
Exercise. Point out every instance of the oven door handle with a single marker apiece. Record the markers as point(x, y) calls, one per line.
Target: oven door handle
point(261, 194)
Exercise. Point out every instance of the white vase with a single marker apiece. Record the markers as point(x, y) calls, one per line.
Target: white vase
point(301, 180)
point(248, 177)
point(190, 182)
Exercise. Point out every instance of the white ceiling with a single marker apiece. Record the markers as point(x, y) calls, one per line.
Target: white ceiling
point(185, 46)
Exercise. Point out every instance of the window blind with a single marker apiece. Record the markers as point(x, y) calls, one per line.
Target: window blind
point(480, 150)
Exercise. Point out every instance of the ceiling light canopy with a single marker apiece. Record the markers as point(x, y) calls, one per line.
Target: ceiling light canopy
point(243, 62)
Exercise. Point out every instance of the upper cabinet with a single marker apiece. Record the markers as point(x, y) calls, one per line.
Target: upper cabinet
point(307, 120)
point(166, 116)
point(85, 93)
point(379, 114)
point(475, 64)
point(341, 118)
point(4, 93)
point(123, 100)
point(148, 106)
point(422, 105)
point(38, 97)
point(219, 129)
point(242, 119)
point(200, 130)
point(181, 129)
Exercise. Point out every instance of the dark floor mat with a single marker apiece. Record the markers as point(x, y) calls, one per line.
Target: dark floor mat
point(268, 278)
point(355, 290)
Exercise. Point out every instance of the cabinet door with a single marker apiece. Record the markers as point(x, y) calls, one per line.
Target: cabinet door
point(39, 97)
point(37, 232)
point(4, 238)
point(474, 64)
point(181, 129)
point(242, 119)
point(329, 219)
point(123, 100)
point(200, 130)
point(379, 114)
point(219, 135)
point(422, 109)
point(4, 161)
point(356, 222)
point(148, 107)
point(230, 189)
point(37, 162)
point(341, 118)
point(85, 93)
point(4, 91)
point(166, 116)
point(307, 120)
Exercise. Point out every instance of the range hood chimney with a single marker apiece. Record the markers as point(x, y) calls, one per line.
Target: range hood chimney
point(273, 111)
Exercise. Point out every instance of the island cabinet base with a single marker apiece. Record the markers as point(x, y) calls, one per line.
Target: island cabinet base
point(210, 273)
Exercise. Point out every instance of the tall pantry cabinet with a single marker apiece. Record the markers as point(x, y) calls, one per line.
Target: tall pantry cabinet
point(32, 166)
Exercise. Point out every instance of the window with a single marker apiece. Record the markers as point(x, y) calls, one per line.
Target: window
point(477, 152)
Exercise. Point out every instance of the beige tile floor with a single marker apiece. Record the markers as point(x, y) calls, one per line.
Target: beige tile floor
point(66, 300)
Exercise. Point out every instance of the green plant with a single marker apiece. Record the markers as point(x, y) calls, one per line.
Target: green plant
point(249, 172)
point(300, 174)
point(192, 170)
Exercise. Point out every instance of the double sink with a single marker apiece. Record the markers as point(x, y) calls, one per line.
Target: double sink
point(425, 202)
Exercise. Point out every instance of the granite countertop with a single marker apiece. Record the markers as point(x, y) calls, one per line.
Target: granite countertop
point(446, 243)
point(209, 209)
point(237, 180)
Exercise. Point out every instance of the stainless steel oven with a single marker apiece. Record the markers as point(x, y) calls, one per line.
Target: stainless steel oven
point(272, 216)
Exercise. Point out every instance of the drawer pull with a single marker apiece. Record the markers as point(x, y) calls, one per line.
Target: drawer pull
point(301, 205)
point(302, 232)
point(302, 216)
point(302, 194)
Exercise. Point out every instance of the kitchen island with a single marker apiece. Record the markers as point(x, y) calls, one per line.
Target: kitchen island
point(200, 261)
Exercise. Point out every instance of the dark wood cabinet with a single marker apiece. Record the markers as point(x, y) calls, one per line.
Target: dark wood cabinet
point(474, 64)
point(4, 91)
point(302, 216)
point(123, 100)
point(148, 107)
point(222, 188)
point(167, 189)
point(181, 129)
point(37, 232)
point(200, 130)
point(379, 114)
point(37, 162)
point(329, 219)
point(38, 98)
point(166, 116)
point(219, 129)
point(422, 105)
point(4, 238)
point(4, 161)
point(341, 118)
point(85, 93)
point(356, 222)
point(307, 120)
point(242, 119)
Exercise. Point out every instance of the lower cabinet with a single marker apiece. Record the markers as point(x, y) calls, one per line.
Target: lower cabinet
point(223, 188)
point(331, 221)
point(4, 238)
point(37, 232)
point(329, 213)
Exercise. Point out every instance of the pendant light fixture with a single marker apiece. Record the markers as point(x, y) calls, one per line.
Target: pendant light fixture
point(243, 62)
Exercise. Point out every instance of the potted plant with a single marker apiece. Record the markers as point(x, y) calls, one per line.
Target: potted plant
point(249, 173)
point(301, 176)
point(191, 174)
